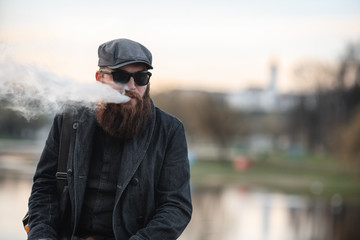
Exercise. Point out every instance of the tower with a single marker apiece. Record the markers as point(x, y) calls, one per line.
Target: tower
point(272, 85)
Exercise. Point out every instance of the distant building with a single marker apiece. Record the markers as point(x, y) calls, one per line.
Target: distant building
point(262, 99)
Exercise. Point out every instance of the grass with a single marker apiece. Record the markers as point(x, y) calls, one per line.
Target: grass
point(314, 176)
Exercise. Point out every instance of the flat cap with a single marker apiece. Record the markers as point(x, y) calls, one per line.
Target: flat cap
point(120, 52)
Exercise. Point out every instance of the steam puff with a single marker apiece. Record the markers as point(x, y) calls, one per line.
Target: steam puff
point(33, 91)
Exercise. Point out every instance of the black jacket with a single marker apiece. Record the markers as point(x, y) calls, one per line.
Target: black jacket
point(153, 191)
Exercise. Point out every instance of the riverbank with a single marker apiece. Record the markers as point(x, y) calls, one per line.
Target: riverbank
point(320, 179)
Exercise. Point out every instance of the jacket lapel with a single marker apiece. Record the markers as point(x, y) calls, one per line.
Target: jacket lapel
point(133, 154)
point(82, 155)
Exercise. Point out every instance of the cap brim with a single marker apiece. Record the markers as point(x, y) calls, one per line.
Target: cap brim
point(130, 62)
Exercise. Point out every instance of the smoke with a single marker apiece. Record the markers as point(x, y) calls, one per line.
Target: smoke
point(32, 91)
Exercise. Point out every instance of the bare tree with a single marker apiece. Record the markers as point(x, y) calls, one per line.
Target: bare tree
point(205, 116)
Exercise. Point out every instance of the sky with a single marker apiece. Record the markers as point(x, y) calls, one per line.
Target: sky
point(212, 45)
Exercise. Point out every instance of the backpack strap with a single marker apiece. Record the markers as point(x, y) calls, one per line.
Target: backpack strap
point(61, 174)
point(66, 128)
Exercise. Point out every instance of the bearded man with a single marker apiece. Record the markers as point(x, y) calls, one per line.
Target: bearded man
point(128, 171)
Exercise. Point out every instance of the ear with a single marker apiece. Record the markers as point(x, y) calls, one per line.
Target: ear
point(98, 76)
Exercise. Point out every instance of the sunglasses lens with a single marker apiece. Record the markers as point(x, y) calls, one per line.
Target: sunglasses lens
point(121, 76)
point(142, 78)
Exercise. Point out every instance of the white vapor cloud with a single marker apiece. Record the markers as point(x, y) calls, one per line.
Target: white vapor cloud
point(33, 91)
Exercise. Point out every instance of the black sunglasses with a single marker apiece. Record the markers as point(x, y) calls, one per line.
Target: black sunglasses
point(121, 76)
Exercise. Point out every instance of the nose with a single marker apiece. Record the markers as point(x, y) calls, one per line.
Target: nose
point(131, 83)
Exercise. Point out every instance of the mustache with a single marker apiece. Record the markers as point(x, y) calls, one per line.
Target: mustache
point(132, 94)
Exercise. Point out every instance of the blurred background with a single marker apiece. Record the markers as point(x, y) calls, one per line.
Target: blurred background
point(268, 91)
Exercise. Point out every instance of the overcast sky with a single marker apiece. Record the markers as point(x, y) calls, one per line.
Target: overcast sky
point(205, 44)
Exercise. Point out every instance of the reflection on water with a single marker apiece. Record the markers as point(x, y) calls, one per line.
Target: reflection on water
point(239, 213)
point(14, 193)
point(227, 213)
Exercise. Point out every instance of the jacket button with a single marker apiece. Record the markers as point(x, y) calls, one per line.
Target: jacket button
point(69, 172)
point(135, 181)
point(75, 125)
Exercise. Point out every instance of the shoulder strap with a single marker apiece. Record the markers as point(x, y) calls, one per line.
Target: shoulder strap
point(61, 174)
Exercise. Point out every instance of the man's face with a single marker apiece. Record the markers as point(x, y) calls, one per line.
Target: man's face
point(130, 87)
point(125, 120)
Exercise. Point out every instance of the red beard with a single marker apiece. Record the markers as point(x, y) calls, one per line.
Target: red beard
point(123, 120)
